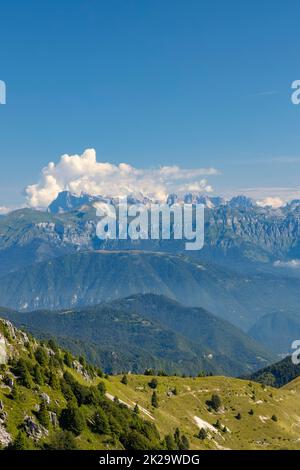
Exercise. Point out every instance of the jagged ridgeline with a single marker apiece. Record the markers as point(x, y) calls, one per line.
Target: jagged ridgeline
point(51, 400)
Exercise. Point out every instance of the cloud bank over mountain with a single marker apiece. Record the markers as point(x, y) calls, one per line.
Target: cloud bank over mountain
point(294, 264)
point(271, 201)
point(84, 174)
point(3, 210)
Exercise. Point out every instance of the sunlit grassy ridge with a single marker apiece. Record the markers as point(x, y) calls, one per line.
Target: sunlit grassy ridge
point(141, 411)
point(252, 431)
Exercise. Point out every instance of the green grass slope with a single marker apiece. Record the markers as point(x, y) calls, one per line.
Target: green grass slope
point(49, 399)
point(189, 411)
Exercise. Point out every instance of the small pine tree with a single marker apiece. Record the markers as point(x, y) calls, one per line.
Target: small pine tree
point(175, 391)
point(53, 345)
point(43, 415)
point(124, 379)
point(184, 445)
point(215, 402)
point(177, 437)
point(136, 409)
point(54, 381)
point(72, 419)
point(251, 412)
point(274, 418)
point(202, 434)
point(101, 387)
point(25, 377)
point(239, 416)
point(170, 442)
point(37, 375)
point(41, 356)
point(68, 360)
point(217, 424)
point(100, 422)
point(154, 400)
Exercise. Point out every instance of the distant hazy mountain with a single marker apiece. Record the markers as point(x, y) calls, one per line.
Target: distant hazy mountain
point(277, 330)
point(89, 278)
point(241, 202)
point(196, 324)
point(150, 331)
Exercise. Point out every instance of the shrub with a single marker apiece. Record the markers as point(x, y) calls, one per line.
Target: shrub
point(14, 394)
point(62, 440)
point(20, 442)
point(153, 383)
point(202, 434)
point(136, 441)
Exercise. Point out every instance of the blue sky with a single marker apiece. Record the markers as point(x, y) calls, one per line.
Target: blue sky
point(170, 82)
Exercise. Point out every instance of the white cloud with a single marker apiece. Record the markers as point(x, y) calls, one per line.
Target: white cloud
point(82, 173)
point(4, 210)
point(276, 196)
point(294, 263)
point(271, 201)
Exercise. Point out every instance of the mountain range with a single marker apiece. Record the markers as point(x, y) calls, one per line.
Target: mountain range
point(238, 232)
point(247, 274)
point(145, 331)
